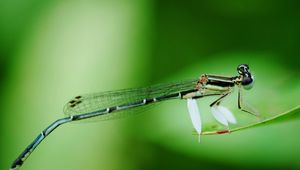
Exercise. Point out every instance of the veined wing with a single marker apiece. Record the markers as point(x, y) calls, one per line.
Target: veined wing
point(98, 101)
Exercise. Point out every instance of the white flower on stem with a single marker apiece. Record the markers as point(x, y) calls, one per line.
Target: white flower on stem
point(228, 114)
point(195, 116)
point(218, 115)
point(223, 115)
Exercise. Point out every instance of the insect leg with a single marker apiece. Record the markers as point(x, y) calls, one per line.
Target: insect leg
point(243, 106)
point(218, 101)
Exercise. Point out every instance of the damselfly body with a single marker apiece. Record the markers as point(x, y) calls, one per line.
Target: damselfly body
point(116, 104)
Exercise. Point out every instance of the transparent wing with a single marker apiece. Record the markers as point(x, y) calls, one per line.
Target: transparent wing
point(92, 102)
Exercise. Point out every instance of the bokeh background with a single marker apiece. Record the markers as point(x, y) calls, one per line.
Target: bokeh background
point(54, 50)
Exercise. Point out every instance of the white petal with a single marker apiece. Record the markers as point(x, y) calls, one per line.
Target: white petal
point(219, 116)
point(227, 114)
point(195, 115)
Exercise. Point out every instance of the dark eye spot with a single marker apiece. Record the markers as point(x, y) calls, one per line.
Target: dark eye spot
point(72, 101)
point(78, 97)
point(78, 102)
point(72, 105)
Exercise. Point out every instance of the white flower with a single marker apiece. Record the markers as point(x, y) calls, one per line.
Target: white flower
point(195, 115)
point(220, 113)
point(223, 115)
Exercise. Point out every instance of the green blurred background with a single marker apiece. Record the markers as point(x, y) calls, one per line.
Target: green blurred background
point(54, 50)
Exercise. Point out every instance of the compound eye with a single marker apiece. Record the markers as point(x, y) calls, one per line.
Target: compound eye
point(242, 68)
point(247, 83)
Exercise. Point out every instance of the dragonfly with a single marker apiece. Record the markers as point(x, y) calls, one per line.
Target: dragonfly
point(122, 103)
